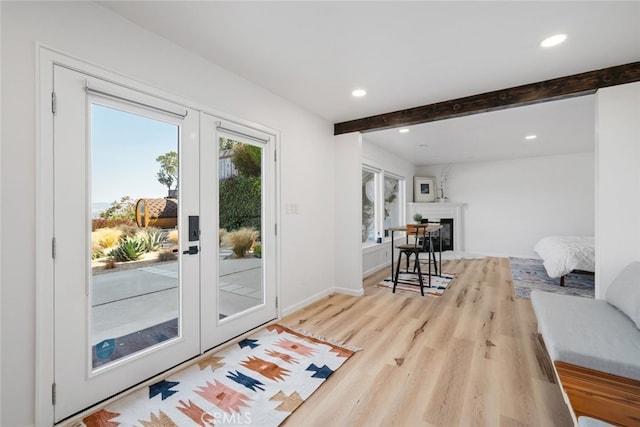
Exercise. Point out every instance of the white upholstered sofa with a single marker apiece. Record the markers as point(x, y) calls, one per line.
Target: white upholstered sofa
point(595, 348)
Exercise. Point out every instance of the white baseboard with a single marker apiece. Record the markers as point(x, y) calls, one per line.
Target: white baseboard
point(348, 291)
point(305, 302)
point(375, 269)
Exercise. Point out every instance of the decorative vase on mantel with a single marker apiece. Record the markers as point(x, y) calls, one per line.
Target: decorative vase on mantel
point(442, 198)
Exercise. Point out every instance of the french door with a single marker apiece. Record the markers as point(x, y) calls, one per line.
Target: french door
point(242, 203)
point(144, 278)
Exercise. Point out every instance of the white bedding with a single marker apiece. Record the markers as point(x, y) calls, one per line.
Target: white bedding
point(562, 254)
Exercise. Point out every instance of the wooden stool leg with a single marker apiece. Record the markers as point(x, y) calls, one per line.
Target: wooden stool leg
point(435, 265)
point(419, 274)
point(395, 279)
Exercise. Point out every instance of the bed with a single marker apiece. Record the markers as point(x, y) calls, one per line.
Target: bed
point(562, 255)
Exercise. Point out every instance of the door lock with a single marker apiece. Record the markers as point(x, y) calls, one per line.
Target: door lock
point(194, 228)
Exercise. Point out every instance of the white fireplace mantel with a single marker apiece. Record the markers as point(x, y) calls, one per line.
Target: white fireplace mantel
point(439, 211)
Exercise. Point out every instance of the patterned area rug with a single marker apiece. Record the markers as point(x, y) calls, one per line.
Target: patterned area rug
point(259, 381)
point(438, 284)
point(529, 274)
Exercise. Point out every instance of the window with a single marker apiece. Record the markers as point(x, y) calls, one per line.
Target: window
point(391, 202)
point(382, 203)
point(368, 205)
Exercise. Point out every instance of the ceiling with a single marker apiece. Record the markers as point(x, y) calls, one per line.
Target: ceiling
point(406, 54)
point(561, 127)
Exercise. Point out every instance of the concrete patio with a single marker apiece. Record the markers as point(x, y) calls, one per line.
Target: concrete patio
point(124, 302)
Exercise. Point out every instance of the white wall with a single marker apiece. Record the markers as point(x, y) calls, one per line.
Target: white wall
point(618, 173)
point(89, 32)
point(348, 213)
point(375, 257)
point(1, 102)
point(511, 204)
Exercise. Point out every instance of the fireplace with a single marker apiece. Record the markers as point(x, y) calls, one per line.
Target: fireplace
point(446, 234)
point(450, 216)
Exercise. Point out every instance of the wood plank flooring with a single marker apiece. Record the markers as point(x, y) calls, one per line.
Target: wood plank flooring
point(469, 358)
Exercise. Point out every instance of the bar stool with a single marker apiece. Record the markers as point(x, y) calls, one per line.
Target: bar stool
point(431, 249)
point(409, 249)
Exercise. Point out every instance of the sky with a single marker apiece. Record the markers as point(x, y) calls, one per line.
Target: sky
point(124, 151)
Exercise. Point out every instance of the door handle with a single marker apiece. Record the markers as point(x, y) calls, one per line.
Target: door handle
point(193, 250)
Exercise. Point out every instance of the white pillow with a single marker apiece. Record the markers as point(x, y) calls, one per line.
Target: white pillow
point(624, 292)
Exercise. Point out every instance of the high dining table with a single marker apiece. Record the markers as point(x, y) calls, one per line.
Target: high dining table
point(428, 230)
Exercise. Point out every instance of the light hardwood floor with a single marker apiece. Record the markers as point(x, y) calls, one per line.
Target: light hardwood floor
point(471, 357)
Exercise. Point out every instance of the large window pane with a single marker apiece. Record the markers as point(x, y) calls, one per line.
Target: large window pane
point(368, 206)
point(391, 202)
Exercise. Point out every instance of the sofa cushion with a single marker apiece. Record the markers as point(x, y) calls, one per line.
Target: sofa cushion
point(589, 333)
point(624, 292)
point(592, 422)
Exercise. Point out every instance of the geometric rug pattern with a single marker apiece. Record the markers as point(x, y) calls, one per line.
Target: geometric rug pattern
point(530, 274)
point(258, 381)
point(411, 283)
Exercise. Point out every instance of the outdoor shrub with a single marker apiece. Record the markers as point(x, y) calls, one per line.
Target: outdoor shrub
point(247, 159)
point(96, 250)
point(173, 237)
point(106, 237)
point(128, 230)
point(240, 203)
point(167, 256)
point(221, 234)
point(109, 264)
point(240, 240)
point(152, 239)
point(257, 250)
point(98, 223)
point(129, 249)
point(125, 208)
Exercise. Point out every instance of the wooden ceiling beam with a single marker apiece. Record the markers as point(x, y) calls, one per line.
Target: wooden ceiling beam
point(548, 90)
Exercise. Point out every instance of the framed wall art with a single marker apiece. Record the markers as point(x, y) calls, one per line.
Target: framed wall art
point(424, 189)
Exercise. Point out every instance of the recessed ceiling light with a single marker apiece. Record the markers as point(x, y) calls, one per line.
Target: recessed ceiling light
point(553, 40)
point(423, 145)
point(404, 130)
point(358, 93)
point(530, 137)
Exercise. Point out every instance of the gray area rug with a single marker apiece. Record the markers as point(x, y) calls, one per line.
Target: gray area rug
point(529, 274)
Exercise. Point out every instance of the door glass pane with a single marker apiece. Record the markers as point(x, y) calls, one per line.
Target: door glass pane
point(135, 282)
point(240, 281)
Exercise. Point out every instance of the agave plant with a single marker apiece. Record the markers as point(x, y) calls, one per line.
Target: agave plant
point(129, 249)
point(152, 239)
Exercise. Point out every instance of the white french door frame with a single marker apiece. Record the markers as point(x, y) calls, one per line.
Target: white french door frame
point(46, 58)
point(78, 383)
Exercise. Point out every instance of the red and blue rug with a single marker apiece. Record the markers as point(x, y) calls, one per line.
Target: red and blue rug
point(258, 381)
